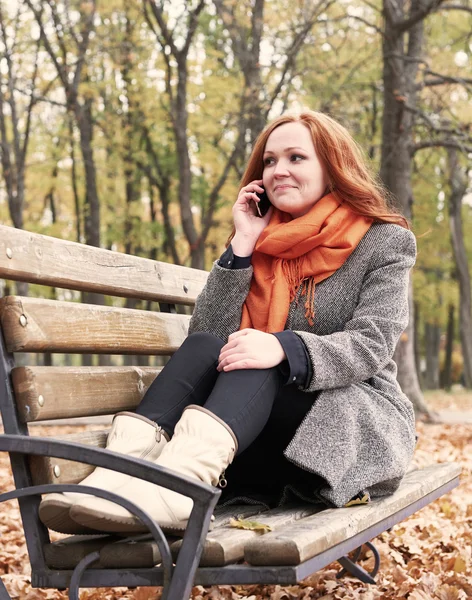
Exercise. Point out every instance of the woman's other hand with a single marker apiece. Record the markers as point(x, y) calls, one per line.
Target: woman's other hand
point(247, 222)
point(250, 349)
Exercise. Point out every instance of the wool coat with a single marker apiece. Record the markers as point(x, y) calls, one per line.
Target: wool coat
point(359, 434)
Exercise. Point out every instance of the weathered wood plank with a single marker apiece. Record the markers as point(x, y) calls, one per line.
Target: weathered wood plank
point(37, 325)
point(36, 258)
point(145, 553)
point(67, 553)
point(225, 545)
point(306, 538)
point(64, 392)
point(45, 469)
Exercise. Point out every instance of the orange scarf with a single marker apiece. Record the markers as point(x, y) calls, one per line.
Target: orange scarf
point(292, 252)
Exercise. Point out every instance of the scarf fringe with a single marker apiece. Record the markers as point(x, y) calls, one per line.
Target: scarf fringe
point(293, 273)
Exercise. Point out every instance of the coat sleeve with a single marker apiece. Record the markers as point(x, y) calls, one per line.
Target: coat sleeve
point(219, 306)
point(369, 338)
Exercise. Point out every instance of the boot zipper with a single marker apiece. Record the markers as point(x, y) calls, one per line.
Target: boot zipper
point(222, 483)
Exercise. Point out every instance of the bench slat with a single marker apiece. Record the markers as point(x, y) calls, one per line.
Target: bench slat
point(146, 553)
point(36, 325)
point(46, 260)
point(304, 539)
point(46, 469)
point(225, 545)
point(64, 392)
point(66, 553)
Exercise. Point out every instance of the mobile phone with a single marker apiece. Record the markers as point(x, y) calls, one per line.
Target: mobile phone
point(263, 205)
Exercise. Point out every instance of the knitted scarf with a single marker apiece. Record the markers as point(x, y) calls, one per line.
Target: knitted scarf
point(294, 252)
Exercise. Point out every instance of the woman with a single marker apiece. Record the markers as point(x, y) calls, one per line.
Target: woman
point(288, 369)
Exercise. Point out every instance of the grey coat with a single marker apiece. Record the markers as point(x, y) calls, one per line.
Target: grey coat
point(360, 433)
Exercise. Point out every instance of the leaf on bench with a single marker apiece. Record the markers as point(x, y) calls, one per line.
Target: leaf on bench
point(359, 499)
point(250, 525)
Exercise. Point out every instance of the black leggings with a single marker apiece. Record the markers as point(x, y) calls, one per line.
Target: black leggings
point(243, 399)
point(263, 413)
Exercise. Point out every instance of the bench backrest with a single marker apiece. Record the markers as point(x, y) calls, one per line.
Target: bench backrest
point(36, 325)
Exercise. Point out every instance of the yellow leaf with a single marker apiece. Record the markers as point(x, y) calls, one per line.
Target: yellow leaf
point(250, 525)
point(364, 500)
point(460, 566)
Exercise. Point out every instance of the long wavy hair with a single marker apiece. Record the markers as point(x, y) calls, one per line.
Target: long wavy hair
point(350, 179)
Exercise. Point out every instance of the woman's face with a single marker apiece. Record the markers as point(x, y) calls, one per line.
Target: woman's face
point(293, 175)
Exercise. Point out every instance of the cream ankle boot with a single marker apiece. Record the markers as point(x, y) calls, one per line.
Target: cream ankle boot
point(131, 434)
point(201, 448)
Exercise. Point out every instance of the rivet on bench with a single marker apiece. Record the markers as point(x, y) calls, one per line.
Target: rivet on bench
point(23, 320)
point(41, 401)
point(185, 287)
point(9, 252)
point(57, 471)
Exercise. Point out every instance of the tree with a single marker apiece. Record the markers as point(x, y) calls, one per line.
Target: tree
point(403, 45)
point(70, 65)
point(458, 182)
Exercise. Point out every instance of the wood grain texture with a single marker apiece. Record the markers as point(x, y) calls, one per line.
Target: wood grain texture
point(37, 325)
point(46, 260)
point(65, 392)
point(44, 468)
point(225, 545)
point(67, 553)
point(306, 538)
point(146, 553)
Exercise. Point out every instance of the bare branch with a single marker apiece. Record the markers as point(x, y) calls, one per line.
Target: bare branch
point(455, 7)
point(58, 29)
point(32, 102)
point(192, 26)
point(294, 48)
point(159, 15)
point(417, 16)
point(61, 70)
point(442, 143)
point(88, 26)
point(444, 79)
point(235, 31)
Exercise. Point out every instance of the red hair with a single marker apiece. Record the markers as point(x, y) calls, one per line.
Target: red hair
point(349, 177)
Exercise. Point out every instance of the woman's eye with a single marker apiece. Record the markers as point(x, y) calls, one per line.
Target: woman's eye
point(268, 161)
point(296, 157)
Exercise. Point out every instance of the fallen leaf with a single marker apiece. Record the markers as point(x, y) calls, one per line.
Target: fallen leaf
point(250, 525)
point(460, 566)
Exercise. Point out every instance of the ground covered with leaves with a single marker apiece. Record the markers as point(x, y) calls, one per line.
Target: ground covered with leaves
point(426, 557)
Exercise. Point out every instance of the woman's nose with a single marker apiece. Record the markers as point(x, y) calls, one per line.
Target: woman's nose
point(281, 169)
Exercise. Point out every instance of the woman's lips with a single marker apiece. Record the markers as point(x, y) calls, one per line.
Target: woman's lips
point(283, 187)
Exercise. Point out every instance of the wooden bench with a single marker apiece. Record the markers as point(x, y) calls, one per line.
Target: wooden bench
point(304, 537)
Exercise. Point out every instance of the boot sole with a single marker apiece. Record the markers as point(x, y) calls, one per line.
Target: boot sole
point(122, 525)
point(55, 515)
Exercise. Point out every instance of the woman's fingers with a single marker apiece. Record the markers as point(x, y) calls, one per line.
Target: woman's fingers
point(246, 363)
point(237, 334)
point(231, 358)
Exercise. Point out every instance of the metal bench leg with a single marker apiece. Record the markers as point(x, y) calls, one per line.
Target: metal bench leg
point(4, 595)
point(350, 566)
point(74, 585)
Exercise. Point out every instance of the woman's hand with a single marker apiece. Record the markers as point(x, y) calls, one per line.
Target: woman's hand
point(250, 349)
point(247, 223)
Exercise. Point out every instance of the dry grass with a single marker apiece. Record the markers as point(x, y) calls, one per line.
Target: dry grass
point(427, 557)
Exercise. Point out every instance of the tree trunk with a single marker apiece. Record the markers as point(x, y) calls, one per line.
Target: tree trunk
point(83, 115)
point(417, 344)
point(447, 371)
point(432, 342)
point(458, 184)
point(400, 65)
point(405, 358)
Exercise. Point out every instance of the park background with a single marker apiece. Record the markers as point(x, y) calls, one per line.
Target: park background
point(127, 125)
